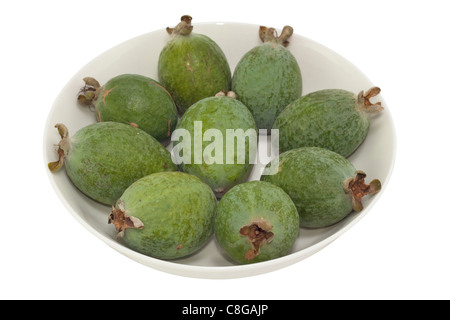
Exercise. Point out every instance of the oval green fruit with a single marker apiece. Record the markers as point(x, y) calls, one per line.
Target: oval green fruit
point(324, 185)
point(256, 221)
point(268, 77)
point(165, 215)
point(133, 99)
point(105, 158)
point(192, 66)
point(334, 119)
point(216, 140)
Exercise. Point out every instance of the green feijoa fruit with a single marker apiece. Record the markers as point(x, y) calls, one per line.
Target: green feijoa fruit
point(192, 66)
point(324, 185)
point(104, 158)
point(133, 99)
point(256, 221)
point(165, 215)
point(216, 140)
point(268, 77)
point(334, 119)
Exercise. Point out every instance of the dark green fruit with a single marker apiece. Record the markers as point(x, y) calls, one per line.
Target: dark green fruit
point(334, 119)
point(256, 221)
point(104, 158)
point(132, 99)
point(324, 185)
point(165, 215)
point(268, 77)
point(204, 134)
point(192, 66)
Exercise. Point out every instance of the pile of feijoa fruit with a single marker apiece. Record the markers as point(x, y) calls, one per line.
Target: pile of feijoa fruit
point(169, 210)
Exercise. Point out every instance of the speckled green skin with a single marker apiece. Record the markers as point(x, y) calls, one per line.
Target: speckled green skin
point(327, 118)
point(193, 67)
point(177, 211)
point(253, 201)
point(266, 80)
point(313, 177)
point(106, 157)
point(220, 113)
point(132, 98)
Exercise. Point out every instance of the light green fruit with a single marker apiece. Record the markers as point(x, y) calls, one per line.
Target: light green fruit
point(334, 119)
point(268, 77)
point(133, 99)
point(165, 215)
point(324, 185)
point(202, 147)
point(105, 158)
point(256, 221)
point(192, 66)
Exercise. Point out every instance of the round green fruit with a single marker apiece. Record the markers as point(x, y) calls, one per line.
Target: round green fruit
point(324, 185)
point(216, 140)
point(104, 158)
point(192, 66)
point(133, 99)
point(334, 119)
point(256, 221)
point(165, 215)
point(268, 77)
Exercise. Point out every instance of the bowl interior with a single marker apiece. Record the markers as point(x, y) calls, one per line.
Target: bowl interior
point(321, 68)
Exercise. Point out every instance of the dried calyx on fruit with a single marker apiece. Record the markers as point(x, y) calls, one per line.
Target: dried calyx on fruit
point(270, 35)
point(357, 188)
point(258, 233)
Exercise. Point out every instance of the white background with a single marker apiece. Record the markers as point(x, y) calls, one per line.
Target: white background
point(400, 250)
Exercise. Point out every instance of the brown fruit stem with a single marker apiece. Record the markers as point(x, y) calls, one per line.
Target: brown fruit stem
point(90, 92)
point(358, 189)
point(364, 103)
point(270, 35)
point(63, 148)
point(258, 233)
point(122, 221)
point(183, 28)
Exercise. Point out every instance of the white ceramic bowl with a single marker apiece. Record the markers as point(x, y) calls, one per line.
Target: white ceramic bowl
point(321, 68)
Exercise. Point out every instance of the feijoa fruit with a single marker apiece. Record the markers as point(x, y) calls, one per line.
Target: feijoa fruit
point(334, 119)
point(268, 77)
point(324, 185)
point(192, 66)
point(217, 141)
point(166, 215)
point(256, 221)
point(133, 99)
point(104, 158)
